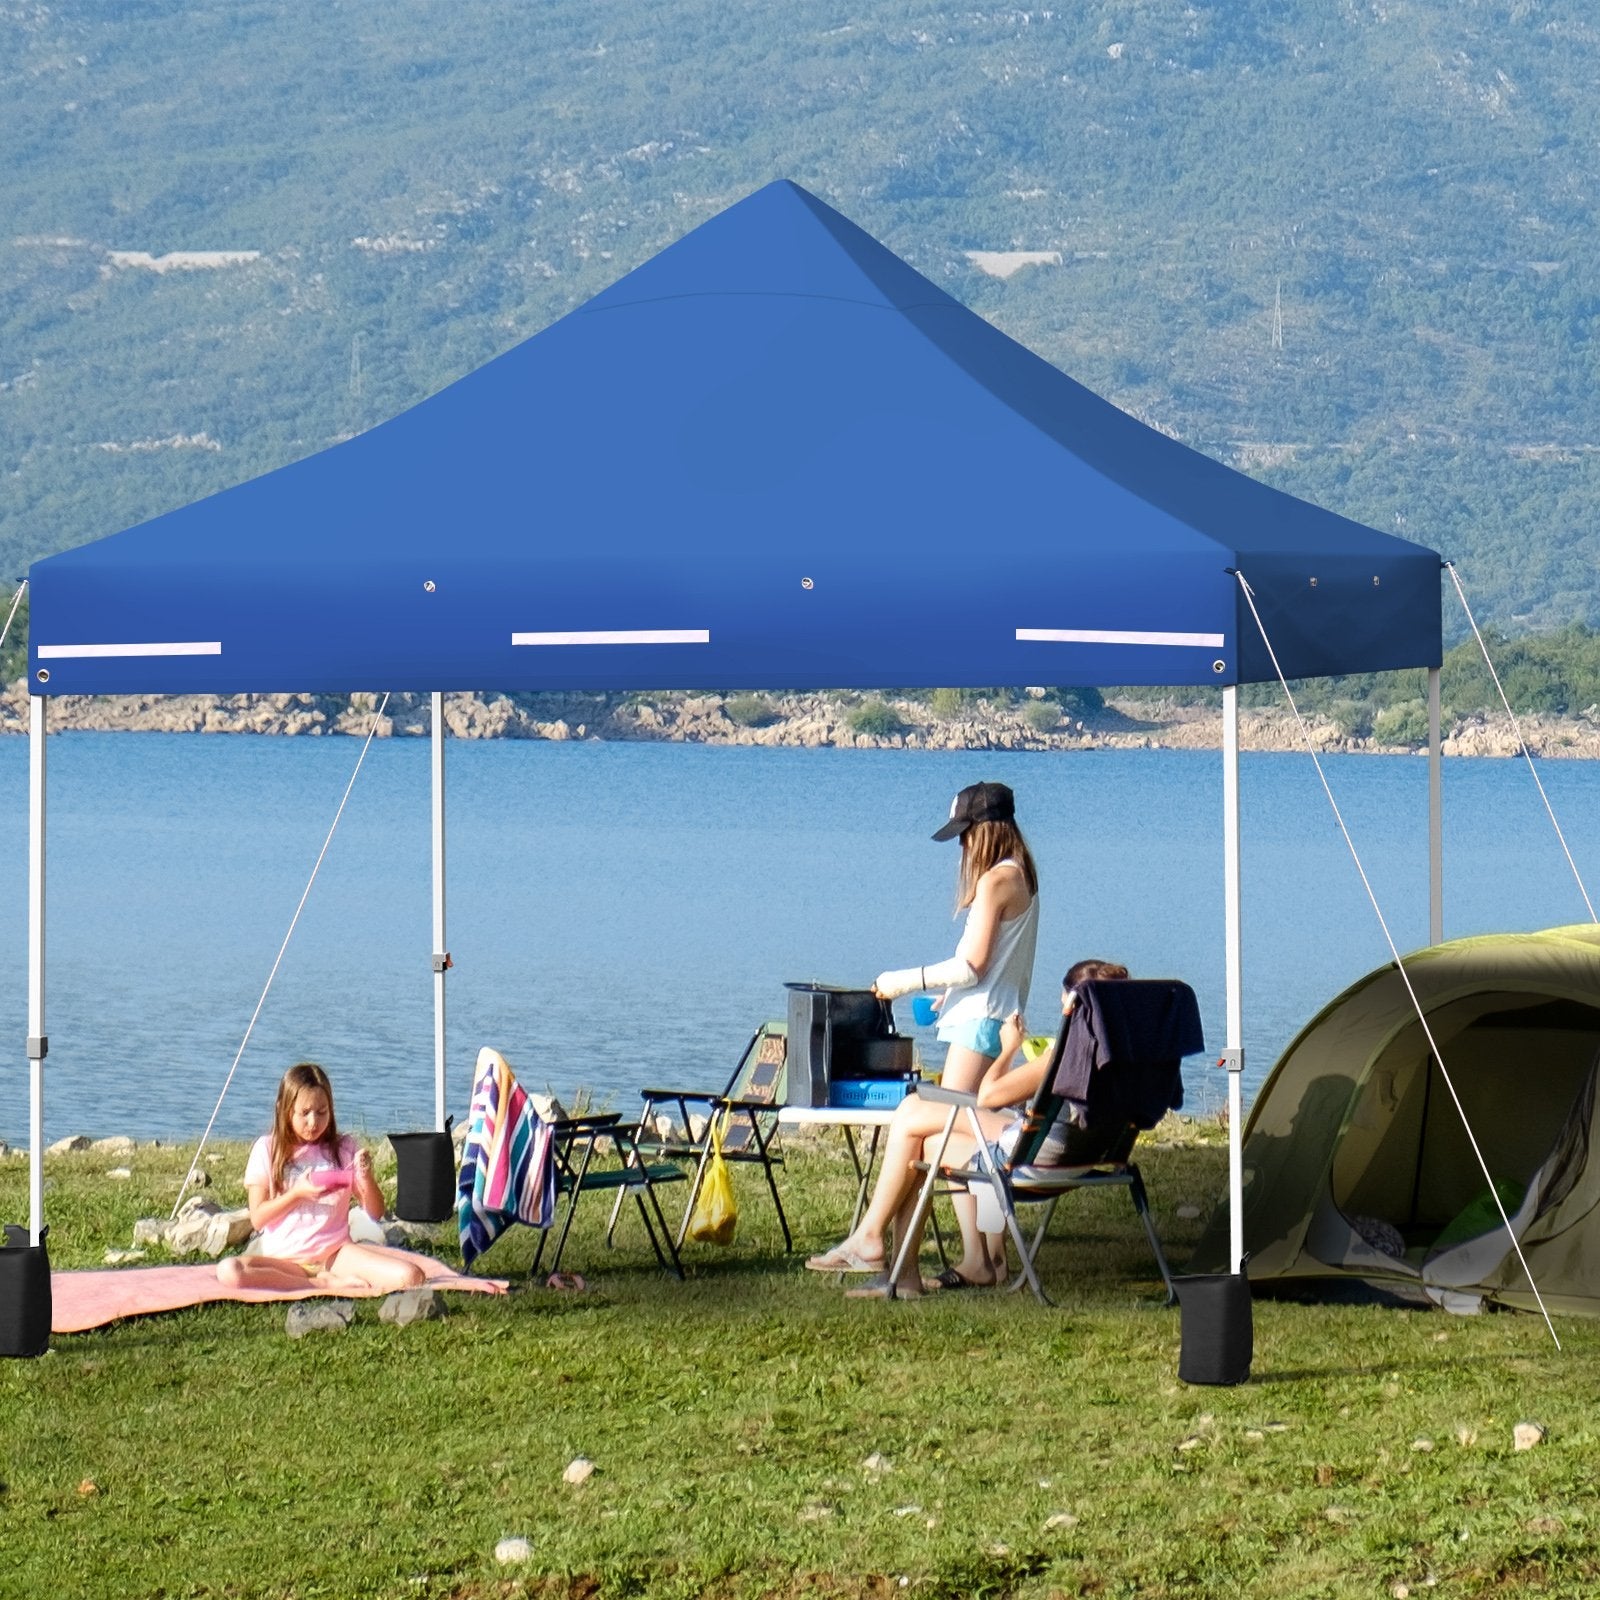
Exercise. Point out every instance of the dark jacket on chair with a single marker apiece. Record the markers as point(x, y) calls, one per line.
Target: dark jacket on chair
point(1125, 1043)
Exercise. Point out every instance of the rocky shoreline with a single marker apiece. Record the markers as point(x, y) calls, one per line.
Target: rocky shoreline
point(828, 719)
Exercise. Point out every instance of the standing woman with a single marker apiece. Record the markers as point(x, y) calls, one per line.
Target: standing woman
point(987, 979)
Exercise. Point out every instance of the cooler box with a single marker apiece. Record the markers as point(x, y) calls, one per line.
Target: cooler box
point(870, 1094)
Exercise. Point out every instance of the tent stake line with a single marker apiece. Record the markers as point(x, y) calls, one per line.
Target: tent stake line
point(1522, 744)
point(305, 895)
point(1444, 1071)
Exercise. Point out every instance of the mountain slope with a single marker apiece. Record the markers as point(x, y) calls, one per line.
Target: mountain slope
point(1348, 247)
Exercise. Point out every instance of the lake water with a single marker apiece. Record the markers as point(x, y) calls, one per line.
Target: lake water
point(627, 913)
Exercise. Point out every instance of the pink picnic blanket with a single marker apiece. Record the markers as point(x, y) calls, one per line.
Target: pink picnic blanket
point(80, 1300)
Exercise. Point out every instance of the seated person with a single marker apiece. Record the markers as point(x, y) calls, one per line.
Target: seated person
point(914, 1132)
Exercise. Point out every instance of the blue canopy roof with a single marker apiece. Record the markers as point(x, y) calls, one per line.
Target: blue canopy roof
point(773, 456)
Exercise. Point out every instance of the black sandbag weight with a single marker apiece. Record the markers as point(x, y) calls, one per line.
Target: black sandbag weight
point(425, 1179)
point(1216, 1329)
point(25, 1303)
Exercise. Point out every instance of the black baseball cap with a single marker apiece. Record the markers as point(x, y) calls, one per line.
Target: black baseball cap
point(979, 802)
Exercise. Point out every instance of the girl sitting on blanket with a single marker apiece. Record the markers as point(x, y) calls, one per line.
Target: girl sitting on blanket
point(914, 1132)
point(300, 1179)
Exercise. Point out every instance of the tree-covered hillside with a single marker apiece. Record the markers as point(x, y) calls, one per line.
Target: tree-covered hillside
point(1350, 247)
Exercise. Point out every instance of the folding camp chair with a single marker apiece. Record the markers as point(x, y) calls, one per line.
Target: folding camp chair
point(573, 1150)
point(749, 1101)
point(1128, 1091)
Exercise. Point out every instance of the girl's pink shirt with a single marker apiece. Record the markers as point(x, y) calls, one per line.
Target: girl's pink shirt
point(314, 1229)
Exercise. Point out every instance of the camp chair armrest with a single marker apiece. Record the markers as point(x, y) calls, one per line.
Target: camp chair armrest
point(601, 1122)
point(698, 1096)
point(727, 1104)
point(946, 1097)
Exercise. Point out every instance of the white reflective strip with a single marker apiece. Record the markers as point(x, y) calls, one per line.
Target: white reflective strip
point(184, 647)
point(624, 636)
point(1110, 636)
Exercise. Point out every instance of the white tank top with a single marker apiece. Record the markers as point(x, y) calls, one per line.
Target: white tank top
point(1003, 986)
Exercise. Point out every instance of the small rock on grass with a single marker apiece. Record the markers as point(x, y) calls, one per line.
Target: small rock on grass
point(1528, 1434)
point(318, 1316)
point(876, 1465)
point(121, 1258)
point(512, 1552)
point(579, 1470)
point(120, 1172)
point(72, 1143)
point(1062, 1519)
point(411, 1305)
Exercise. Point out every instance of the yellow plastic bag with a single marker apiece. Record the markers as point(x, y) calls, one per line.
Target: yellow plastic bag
point(716, 1212)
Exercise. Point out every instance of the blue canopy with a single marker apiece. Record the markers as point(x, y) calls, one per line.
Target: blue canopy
point(774, 456)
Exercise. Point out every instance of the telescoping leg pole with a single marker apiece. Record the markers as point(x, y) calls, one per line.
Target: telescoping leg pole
point(37, 1043)
point(1435, 817)
point(441, 956)
point(1233, 1056)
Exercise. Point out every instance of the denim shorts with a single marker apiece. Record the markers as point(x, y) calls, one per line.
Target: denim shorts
point(981, 1034)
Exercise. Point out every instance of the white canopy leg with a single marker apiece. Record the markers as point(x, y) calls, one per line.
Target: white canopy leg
point(1435, 817)
point(37, 1043)
point(441, 956)
point(1233, 943)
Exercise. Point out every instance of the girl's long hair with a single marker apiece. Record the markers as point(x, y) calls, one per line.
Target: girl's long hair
point(986, 844)
point(303, 1075)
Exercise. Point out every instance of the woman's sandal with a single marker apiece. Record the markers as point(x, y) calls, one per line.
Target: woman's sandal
point(950, 1278)
point(843, 1259)
point(878, 1289)
point(570, 1281)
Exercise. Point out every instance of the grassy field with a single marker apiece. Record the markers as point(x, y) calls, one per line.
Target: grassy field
point(1026, 1450)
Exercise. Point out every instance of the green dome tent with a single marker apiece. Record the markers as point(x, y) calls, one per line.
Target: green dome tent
point(1356, 1163)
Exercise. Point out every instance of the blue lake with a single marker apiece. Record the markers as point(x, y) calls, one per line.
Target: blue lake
point(627, 913)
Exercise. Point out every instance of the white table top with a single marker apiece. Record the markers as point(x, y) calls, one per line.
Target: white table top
point(833, 1117)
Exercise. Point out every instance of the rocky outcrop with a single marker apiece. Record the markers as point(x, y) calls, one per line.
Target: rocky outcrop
point(811, 719)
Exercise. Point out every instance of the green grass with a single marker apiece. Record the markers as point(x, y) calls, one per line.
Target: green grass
point(729, 1419)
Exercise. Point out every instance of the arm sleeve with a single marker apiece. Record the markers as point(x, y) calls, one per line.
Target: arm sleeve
point(951, 974)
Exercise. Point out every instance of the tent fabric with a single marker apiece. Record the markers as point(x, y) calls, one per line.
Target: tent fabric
point(1356, 1126)
point(773, 456)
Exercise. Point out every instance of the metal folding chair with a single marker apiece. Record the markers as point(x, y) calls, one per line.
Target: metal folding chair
point(625, 1171)
point(1136, 1017)
point(749, 1100)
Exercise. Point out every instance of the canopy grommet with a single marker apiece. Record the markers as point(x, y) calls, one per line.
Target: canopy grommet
point(1219, 666)
point(806, 583)
point(429, 586)
point(43, 674)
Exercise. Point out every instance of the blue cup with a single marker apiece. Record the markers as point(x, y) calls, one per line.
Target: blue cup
point(922, 1011)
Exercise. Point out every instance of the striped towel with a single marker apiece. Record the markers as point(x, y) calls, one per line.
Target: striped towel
point(507, 1174)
